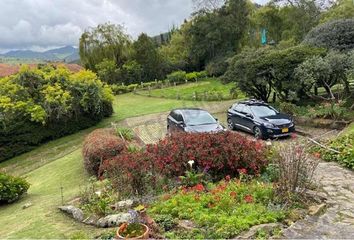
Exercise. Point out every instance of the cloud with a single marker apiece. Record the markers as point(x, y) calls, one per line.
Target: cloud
point(41, 24)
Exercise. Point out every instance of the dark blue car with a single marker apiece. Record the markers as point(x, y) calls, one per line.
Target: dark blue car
point(260, 119)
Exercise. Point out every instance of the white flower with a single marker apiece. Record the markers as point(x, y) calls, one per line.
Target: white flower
point(98, 193)
point(269, 143)
point(191, 162)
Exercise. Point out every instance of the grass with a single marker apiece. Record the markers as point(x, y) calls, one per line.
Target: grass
point(59, 164)
point(210, 89)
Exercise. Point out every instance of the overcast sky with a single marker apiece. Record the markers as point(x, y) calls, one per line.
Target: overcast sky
point(43, 24)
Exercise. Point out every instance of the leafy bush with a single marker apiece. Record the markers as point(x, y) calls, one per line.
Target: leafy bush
point(217, 67)
point(338, 34)
point(100, 145)
point(219, 154)
point(38, 105)
point(221, 211)
point(345, 145)
point(216, 154)
point(130, 173)
point(177, 77)
point(328, 111)
point(12, 188)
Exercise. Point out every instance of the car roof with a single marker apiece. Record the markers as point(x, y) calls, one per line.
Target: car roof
point(251, 102)
point(188, 109)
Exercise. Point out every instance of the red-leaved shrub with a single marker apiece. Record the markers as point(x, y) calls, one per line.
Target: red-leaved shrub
point(100, 145)
point(219, 154)
point(130, 172)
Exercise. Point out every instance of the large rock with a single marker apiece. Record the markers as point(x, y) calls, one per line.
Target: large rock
point(75, 212)
point(113, 220)
point(122, 205)
point(252, 233)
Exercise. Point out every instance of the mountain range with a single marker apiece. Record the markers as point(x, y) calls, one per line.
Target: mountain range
point(63, 54)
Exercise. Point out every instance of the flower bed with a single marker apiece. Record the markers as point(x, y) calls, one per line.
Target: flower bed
point(221, 210)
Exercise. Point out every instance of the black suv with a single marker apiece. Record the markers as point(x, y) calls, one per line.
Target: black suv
point(260, 119)
point(192, 120)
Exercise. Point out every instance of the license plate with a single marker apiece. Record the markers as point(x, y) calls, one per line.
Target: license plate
point(285, 130)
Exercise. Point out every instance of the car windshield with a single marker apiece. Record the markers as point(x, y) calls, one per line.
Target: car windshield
point(263, 111)
point(195, 117)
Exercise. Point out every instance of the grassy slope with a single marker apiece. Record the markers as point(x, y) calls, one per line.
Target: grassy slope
point(186, 91)
point(59, 164)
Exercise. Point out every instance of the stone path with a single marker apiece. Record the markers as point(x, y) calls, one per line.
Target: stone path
point(337, 222)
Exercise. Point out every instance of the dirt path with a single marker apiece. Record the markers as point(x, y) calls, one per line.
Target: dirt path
point(335, 181)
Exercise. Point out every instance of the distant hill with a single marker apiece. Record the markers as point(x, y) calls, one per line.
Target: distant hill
point(63, 54)
point(9, 69)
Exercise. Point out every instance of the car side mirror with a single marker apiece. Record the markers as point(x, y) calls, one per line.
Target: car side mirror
point(216, 119)
point(249, 115)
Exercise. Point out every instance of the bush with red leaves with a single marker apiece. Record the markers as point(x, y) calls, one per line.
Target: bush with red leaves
point(100, 145)
point(219, 154)
point(131, 173)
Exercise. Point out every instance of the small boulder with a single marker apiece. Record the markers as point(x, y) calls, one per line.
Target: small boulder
point(186, 225)
point(75, 212)
point(91, 220)
point(27, 205)
point(113, 220)
point(316, 209)
point(122, 205)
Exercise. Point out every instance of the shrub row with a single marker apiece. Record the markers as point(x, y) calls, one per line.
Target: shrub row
point(178, 77)
point(12, 188)
point(218, 155)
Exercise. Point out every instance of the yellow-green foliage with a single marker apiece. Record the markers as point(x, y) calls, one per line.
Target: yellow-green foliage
point(45, 94)
point(46, 103)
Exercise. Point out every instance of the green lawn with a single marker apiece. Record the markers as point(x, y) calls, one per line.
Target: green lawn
point(59, 164)
point(209, 89)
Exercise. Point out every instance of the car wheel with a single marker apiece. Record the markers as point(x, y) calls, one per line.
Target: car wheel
point(230, 124)
point(257, 133)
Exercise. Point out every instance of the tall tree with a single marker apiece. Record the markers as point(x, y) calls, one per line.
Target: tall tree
point(106, 41)
point(147, 55)
point(218, 32)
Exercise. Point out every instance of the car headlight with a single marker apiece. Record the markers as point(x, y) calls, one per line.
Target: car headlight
point(291, 124)
point(268, 125)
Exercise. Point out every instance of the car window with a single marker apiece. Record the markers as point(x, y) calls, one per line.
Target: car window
point(179, 117)
point(247, 110)
point(263, 110)
point(194, 117)
point(239, 107)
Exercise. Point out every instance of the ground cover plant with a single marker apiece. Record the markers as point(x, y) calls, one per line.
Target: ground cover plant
point(210, 89)
point(221, 210)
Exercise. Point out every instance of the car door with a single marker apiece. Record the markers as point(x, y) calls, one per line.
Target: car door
point(235, 114)
point(247, 118)
point(171, 122)
point(179, 121)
